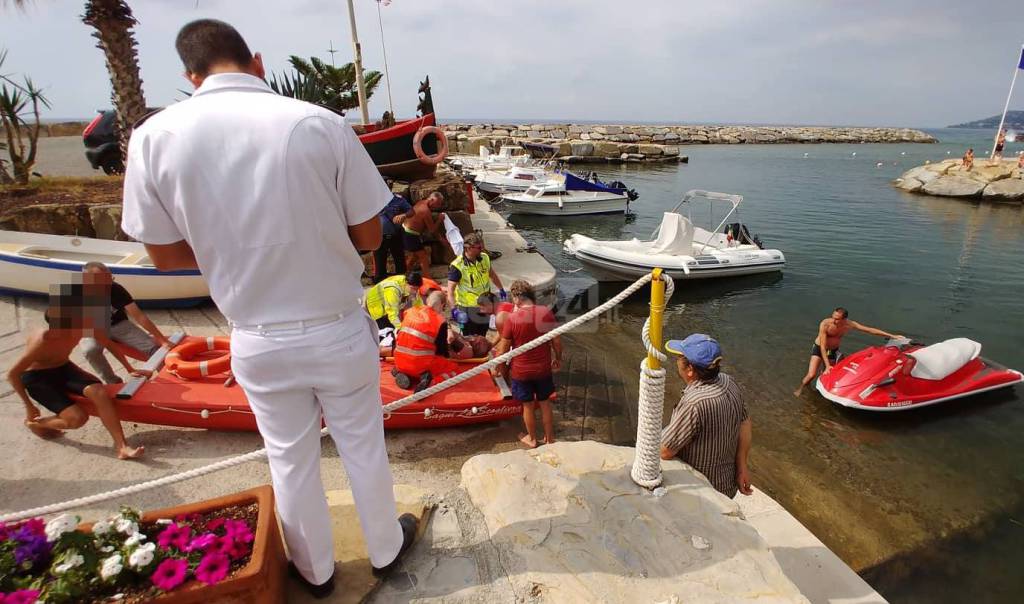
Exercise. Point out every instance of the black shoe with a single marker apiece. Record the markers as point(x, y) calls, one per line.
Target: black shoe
point(425, 379)
point(317, 591)
point(408, 523)
point(402, 380)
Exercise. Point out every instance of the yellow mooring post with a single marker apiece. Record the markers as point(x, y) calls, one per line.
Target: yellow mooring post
point(657, 310)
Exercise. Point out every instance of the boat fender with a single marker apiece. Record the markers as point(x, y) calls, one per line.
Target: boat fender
point(179, 360)
point(442, 145)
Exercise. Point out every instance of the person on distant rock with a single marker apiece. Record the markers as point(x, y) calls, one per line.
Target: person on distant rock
point(391, 219)
point(1000, 143)
point(45, 373)
point(1020, 163)
point(532, 372)
point(421, 346)
point(469, 276)
point(968, 161)
point(826, 344)
point(126, 319)
point(710, 429)
point(420, 223)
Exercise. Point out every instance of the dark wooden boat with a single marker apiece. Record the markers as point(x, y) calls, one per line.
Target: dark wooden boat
point(390, 146)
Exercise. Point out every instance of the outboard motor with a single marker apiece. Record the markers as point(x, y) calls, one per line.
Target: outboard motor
point(741, 233)
point(630, 194)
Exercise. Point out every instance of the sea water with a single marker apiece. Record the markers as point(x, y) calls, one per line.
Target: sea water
point(927, 504)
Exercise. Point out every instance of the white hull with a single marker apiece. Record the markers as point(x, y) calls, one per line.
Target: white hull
point(610, 269)
point(572, 203)
point(30, 263)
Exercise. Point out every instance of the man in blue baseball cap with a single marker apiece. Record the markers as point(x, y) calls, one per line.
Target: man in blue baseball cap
point(710, 429)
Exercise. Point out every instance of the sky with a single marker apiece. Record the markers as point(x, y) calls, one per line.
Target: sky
point(826, 62)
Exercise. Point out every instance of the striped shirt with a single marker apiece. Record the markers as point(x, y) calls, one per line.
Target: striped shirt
point(705, 429)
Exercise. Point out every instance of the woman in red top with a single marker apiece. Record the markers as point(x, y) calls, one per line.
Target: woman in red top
point(532, 379)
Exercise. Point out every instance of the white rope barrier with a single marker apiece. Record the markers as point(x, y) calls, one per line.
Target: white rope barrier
point(261, 453)
point(646, 470)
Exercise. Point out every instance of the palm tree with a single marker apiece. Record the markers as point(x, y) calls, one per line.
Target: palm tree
point(317, 82)
point(113, 21)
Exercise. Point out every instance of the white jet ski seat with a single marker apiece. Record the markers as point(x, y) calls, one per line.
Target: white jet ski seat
point(940, 360)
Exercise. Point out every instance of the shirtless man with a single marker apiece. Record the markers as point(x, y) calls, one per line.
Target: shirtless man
point(1000, 143)
point(46, 372)
point(968, 161)
point(826, 344)
point(420, 223)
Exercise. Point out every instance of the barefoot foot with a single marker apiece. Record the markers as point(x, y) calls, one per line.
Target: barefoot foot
point(529, 443)
point(548, 441)
point(127, 452)
point(40, 431)
point(798, 391)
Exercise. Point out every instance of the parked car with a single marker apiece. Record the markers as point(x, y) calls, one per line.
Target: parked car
point(102, 147)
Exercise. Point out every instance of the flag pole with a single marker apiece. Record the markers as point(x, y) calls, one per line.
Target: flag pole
point(1016, 68)
point(384, 52)
point(358, 60)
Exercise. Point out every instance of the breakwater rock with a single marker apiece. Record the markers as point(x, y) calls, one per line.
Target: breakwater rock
point(1002, 181)
point(585, 142)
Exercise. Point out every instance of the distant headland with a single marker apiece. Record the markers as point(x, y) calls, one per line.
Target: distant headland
point(1014, 121)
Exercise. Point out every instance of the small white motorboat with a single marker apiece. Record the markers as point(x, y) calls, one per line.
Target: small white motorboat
point(507, 157)
point(515, 180)
point(31, 262)
point(680, 248)
point(545, 199)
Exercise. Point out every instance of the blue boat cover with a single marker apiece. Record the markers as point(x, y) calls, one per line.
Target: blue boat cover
point(575, 183)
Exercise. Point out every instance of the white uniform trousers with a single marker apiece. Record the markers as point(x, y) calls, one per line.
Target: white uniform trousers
point(292, 376)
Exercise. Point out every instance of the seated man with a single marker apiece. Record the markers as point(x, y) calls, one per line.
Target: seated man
point(421, 347)
point(127, 322)
point(46, 373)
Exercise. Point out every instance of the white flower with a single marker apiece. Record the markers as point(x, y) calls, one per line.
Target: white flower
point(164, 521)
point(135, 539)
point(101, 528)
point(111, 567)
point(106, 549)
point(126, 526)
point(141, 557)
point(71, 561)
point(65, 523)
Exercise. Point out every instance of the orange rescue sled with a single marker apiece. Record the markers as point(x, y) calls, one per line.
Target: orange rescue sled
point(216, 402)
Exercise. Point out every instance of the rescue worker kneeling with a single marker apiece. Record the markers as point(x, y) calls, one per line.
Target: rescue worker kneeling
point(421, 347)
point(385, 300)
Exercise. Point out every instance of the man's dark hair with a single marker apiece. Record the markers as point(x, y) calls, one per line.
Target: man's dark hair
point(522, 289)
point(845, 312)
point(706, 374)
point(487, 298)
point(203, 43)
point(414, 278)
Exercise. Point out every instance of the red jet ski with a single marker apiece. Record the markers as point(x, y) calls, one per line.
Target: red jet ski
point(903, 375)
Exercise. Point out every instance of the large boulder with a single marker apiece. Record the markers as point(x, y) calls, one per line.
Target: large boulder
point(954, 186)
point(50, 219)
point(106, 221)
point(909, 184)
point(573, 527)
point(651, 149)
point(922, 174)
point(608, 129)
point(449, 184)
point(606, 149)
point(986, 173)
point(582, 147)
point(1010, 189)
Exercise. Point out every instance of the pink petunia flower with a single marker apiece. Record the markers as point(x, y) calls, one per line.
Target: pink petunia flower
point(36, 525)
point(170, 573)
point(22, 596)
point(214, 524)
point(213, 568)
point(188, 518)
point(202, 543)
point(175, 535)
point(238, 530)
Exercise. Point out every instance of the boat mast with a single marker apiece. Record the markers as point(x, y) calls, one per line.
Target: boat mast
point(384, 52)
point(357, 52)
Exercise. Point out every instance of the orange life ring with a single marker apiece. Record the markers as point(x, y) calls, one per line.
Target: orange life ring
point(442, 145)
point(179, 360)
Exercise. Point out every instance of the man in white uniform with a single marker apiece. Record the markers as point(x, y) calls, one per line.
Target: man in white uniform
point(271, 198)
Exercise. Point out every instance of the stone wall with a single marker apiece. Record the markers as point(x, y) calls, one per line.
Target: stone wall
point(584, 142)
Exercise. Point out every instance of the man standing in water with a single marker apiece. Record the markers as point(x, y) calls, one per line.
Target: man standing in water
point(826, 344)
point(273, 199)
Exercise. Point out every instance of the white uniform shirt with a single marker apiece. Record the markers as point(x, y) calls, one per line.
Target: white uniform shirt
point(263, 188)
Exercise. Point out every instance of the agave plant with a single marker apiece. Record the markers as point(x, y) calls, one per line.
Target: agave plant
point(112, 21)
point(317, 82)
point(19, 114)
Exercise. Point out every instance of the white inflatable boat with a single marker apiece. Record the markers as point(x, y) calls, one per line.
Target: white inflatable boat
point(680, 248)
point(31, 262)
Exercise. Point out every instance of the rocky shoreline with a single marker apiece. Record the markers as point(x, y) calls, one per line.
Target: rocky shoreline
point(627, 144)
point(1001, 182)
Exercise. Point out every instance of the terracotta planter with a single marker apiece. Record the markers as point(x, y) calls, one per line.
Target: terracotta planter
point(262, 580)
